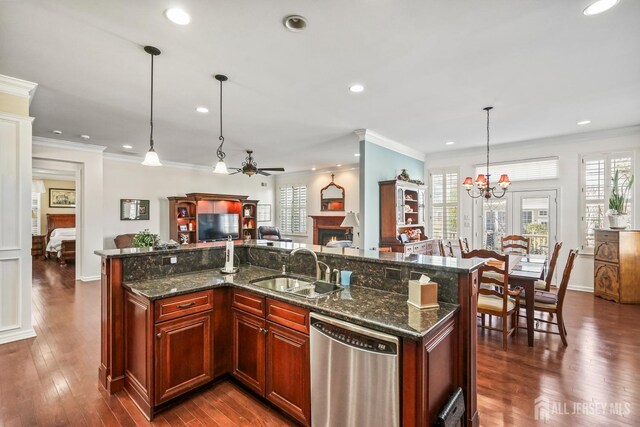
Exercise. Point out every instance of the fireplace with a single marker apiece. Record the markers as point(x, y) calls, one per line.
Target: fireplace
point(326, 228)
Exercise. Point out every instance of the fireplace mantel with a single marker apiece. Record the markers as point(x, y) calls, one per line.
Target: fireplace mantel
point(326, 222)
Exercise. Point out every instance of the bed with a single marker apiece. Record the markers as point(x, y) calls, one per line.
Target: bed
point(61, 237)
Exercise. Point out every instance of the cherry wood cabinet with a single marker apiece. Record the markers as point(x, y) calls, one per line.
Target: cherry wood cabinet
point(271, 352)
point(403, 211)
point(249, 350)
point(616, 265)
point(168, 347)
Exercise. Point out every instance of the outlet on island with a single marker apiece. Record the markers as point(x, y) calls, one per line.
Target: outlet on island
point(169, 260)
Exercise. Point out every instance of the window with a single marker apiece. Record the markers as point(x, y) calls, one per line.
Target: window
point(597, 170)
point(35, 213)
point(524, 170)
point(544, 213)
point(444, 204)
point(293, 209)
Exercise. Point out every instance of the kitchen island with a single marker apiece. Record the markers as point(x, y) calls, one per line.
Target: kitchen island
point(155, 302)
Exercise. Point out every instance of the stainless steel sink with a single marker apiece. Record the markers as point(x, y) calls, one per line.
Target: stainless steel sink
point(297, 286)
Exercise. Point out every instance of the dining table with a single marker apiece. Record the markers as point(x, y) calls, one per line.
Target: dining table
point(525, 269)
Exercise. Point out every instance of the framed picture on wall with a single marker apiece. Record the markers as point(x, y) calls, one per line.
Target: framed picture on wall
point(134, 210)
point(62, 198)
point(264, 213)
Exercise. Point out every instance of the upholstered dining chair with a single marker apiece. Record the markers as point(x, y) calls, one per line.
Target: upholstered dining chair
point(553, 303)
point(495, 298)
point(464, 244)
point(515, 243)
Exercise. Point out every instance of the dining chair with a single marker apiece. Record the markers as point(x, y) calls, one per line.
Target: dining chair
point(464, 244)
point(546, 283)
point(515, 243)
point(553, 303)
point(446, 249)
point(495, 298)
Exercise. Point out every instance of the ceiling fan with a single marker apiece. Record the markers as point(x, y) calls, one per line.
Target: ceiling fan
point(250, 167)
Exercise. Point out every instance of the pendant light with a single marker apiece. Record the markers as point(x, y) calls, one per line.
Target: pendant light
point(482, 183)
point(221, 167)
point(151, 159)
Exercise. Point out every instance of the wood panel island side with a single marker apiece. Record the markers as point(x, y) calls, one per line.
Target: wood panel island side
point(172, 324)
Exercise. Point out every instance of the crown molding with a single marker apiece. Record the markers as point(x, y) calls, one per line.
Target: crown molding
point(66, 145)
point(381, 140)
point(17, 87)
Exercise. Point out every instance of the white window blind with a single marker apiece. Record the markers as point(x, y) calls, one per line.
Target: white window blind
point(523, 170)
point(444, 203)
point(293, 209)
point(597, 170)
point(35, 213)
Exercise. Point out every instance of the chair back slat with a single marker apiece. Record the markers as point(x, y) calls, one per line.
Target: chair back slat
point(449, 249)
point(464, 244)
point(552, 264)
point(566, 275)
point(515, 243)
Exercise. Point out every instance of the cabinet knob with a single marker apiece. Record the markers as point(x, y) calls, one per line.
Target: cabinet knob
point(159, 335)
point(263, 330)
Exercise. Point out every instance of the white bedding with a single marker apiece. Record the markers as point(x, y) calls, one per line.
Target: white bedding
point(56, 238)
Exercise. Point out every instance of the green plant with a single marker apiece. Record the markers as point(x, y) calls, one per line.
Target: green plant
point(620, 186)
point(536, 228)
point(144, 239)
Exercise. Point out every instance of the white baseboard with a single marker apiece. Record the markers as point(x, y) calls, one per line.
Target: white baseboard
point(6, 337)
point(580, 289)
point(89, 278)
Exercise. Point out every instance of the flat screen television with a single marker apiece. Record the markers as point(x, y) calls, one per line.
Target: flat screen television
point(218, 226)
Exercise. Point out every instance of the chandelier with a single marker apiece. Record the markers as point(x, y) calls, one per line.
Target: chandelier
point(482, 183)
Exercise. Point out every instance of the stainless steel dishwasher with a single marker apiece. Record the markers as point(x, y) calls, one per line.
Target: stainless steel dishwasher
point(355, 375)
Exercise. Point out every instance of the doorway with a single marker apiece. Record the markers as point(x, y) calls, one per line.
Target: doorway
point(532, 214)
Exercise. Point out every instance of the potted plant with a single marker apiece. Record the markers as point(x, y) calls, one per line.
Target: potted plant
point(144, 239)
point(617, 213)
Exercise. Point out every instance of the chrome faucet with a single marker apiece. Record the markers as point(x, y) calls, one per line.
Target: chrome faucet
point(315, 259)
point(327, 272)
point(337, 273)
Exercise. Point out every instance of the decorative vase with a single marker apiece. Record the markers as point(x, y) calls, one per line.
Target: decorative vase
point(617, 221)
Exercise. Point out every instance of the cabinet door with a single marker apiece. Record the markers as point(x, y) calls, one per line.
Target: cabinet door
point(422, 206)
point(248, 350)
point(288, 383)
point(606, 281)
point(183, 355)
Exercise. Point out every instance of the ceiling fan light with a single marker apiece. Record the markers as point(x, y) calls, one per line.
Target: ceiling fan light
point(221, 168)
point(151, 159)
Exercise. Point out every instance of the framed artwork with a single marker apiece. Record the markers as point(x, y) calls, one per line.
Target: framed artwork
point(134, 210)
point(62, 198)
point(182, 213)
point(264, 213)
point(182, 227)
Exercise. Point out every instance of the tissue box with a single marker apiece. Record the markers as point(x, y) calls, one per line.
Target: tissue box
point(423, 295)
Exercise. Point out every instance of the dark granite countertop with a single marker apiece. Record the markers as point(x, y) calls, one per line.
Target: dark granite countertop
point(441, 263)
point(380, 310)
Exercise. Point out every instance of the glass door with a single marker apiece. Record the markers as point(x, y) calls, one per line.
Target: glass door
point(532, 214)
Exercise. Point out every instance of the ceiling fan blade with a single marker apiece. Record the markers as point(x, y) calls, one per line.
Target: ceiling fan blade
point(238, 170)
point(260, 171)
point(272, 169)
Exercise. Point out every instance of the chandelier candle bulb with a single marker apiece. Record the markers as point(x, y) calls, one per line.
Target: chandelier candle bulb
point(423, 293)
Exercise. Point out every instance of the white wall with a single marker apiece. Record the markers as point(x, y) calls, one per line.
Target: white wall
point(569, 150)
point(86, 159)
point(128, 179)
point(347, 177)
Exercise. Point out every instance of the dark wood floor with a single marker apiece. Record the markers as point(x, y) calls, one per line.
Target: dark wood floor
point(52, 379)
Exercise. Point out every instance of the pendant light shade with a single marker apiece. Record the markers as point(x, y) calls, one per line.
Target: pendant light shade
point(151, 159)
point(221, 167)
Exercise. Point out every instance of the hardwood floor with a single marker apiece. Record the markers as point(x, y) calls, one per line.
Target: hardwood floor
point(52, 379)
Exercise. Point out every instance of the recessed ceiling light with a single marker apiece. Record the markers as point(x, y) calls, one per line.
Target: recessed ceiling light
point(57, 132)
point(357, 154)
point(202, 110)
point(584, 122)
point(599, 6)
point(313, 169)
point(177, 16)
point(85, 137)
point(127, 147)
point(356, 88)
point(450, 142)
point(338, 165)
point(295, 23)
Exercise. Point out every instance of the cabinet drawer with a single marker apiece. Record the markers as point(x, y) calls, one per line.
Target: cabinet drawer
point(420, 248)
point(249, 302)
point(288, 315)
point(408, 249)
point(606, 251)
point(181, 305)
point(610, 236)
point(606, 278)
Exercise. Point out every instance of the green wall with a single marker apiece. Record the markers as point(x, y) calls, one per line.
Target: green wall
point(379, 164)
